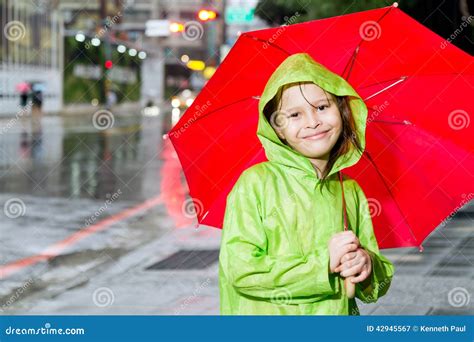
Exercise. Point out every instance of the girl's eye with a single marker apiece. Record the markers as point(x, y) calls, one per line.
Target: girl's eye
point(294, 115)
point(322, 107)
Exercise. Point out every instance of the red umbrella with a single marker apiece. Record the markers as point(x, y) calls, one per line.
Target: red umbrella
point(418, 165)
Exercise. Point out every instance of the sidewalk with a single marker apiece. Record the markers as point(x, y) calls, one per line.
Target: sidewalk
point(437, 281)
point(88, 109)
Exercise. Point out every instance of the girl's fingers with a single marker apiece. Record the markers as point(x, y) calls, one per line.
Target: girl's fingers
point(348, 256)
point(361, 277)
point(346, 264)
point(349, 248)
point(349, 239)
point(353, 270)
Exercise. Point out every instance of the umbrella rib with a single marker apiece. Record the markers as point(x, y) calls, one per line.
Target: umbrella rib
point(391, 195)
point(404, 122)
point(267, 42)
point(351, 62)
point(401, 79)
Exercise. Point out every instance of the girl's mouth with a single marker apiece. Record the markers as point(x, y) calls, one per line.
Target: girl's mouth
point(317, 136)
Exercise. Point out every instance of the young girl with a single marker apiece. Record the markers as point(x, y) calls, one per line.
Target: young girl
point(284, 249)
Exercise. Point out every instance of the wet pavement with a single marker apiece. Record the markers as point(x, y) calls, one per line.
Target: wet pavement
point(92, 219)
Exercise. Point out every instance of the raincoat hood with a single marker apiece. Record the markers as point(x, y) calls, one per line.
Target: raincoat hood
point(301, 67)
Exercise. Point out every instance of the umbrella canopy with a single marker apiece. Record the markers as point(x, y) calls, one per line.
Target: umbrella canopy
point(39, 86)
point(23, 87)
point(417, 167)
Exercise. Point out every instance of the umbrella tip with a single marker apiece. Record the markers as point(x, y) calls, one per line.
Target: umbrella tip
point(395, 4)
point(420, 248)
point(165, 136)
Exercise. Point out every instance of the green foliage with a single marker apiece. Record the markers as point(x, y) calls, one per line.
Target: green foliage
point(277, 12)
point(84, 90)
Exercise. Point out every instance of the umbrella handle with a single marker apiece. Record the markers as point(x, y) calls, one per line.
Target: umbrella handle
point(350, 287)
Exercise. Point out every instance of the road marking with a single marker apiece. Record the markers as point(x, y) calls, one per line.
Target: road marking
point(55, 249)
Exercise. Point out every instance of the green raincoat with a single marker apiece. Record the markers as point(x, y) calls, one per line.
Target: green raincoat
point(274, 257)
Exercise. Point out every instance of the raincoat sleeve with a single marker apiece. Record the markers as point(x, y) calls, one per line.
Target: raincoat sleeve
point(251, 271)
point(377, 284)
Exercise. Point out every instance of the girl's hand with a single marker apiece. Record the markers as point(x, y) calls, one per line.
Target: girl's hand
point(356, 263)
point(339, 245)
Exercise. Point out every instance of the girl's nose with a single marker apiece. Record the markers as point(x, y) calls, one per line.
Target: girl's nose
point(312, 120)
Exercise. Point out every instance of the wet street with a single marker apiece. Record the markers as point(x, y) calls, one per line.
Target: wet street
point(98, 221)
point(76, 199)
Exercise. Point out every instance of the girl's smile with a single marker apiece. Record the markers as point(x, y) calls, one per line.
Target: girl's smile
point(318, 135)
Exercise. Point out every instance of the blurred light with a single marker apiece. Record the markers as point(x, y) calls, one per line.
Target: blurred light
point(196, 65)
point(80, 37)
point(189, 102)
point(175, 112)
point(121, 48)
point(94, 102)
point(132, 52)
point(206, 15)
point(95, 41)
point(176, 27)
point(108, 64)
point(175, 102)
point(186, 93)
point(185, 58)
point(208, 72)
point(142, 55)
point(151, 111)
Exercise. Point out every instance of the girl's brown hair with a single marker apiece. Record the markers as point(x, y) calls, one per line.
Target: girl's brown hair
point(348, 137)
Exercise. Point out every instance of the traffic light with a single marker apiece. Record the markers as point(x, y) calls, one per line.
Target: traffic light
point(207, 15)
point(108, 64)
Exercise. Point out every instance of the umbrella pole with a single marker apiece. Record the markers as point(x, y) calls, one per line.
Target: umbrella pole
point(348, 285)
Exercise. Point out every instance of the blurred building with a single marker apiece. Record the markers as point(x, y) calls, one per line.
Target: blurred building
point(30, 51)
point(164, 71)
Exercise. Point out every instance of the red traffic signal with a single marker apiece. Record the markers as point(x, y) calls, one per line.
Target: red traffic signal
point(207, 15)
point(108, 64)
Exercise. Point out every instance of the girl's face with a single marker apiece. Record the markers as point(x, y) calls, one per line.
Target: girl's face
point(308, 119)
